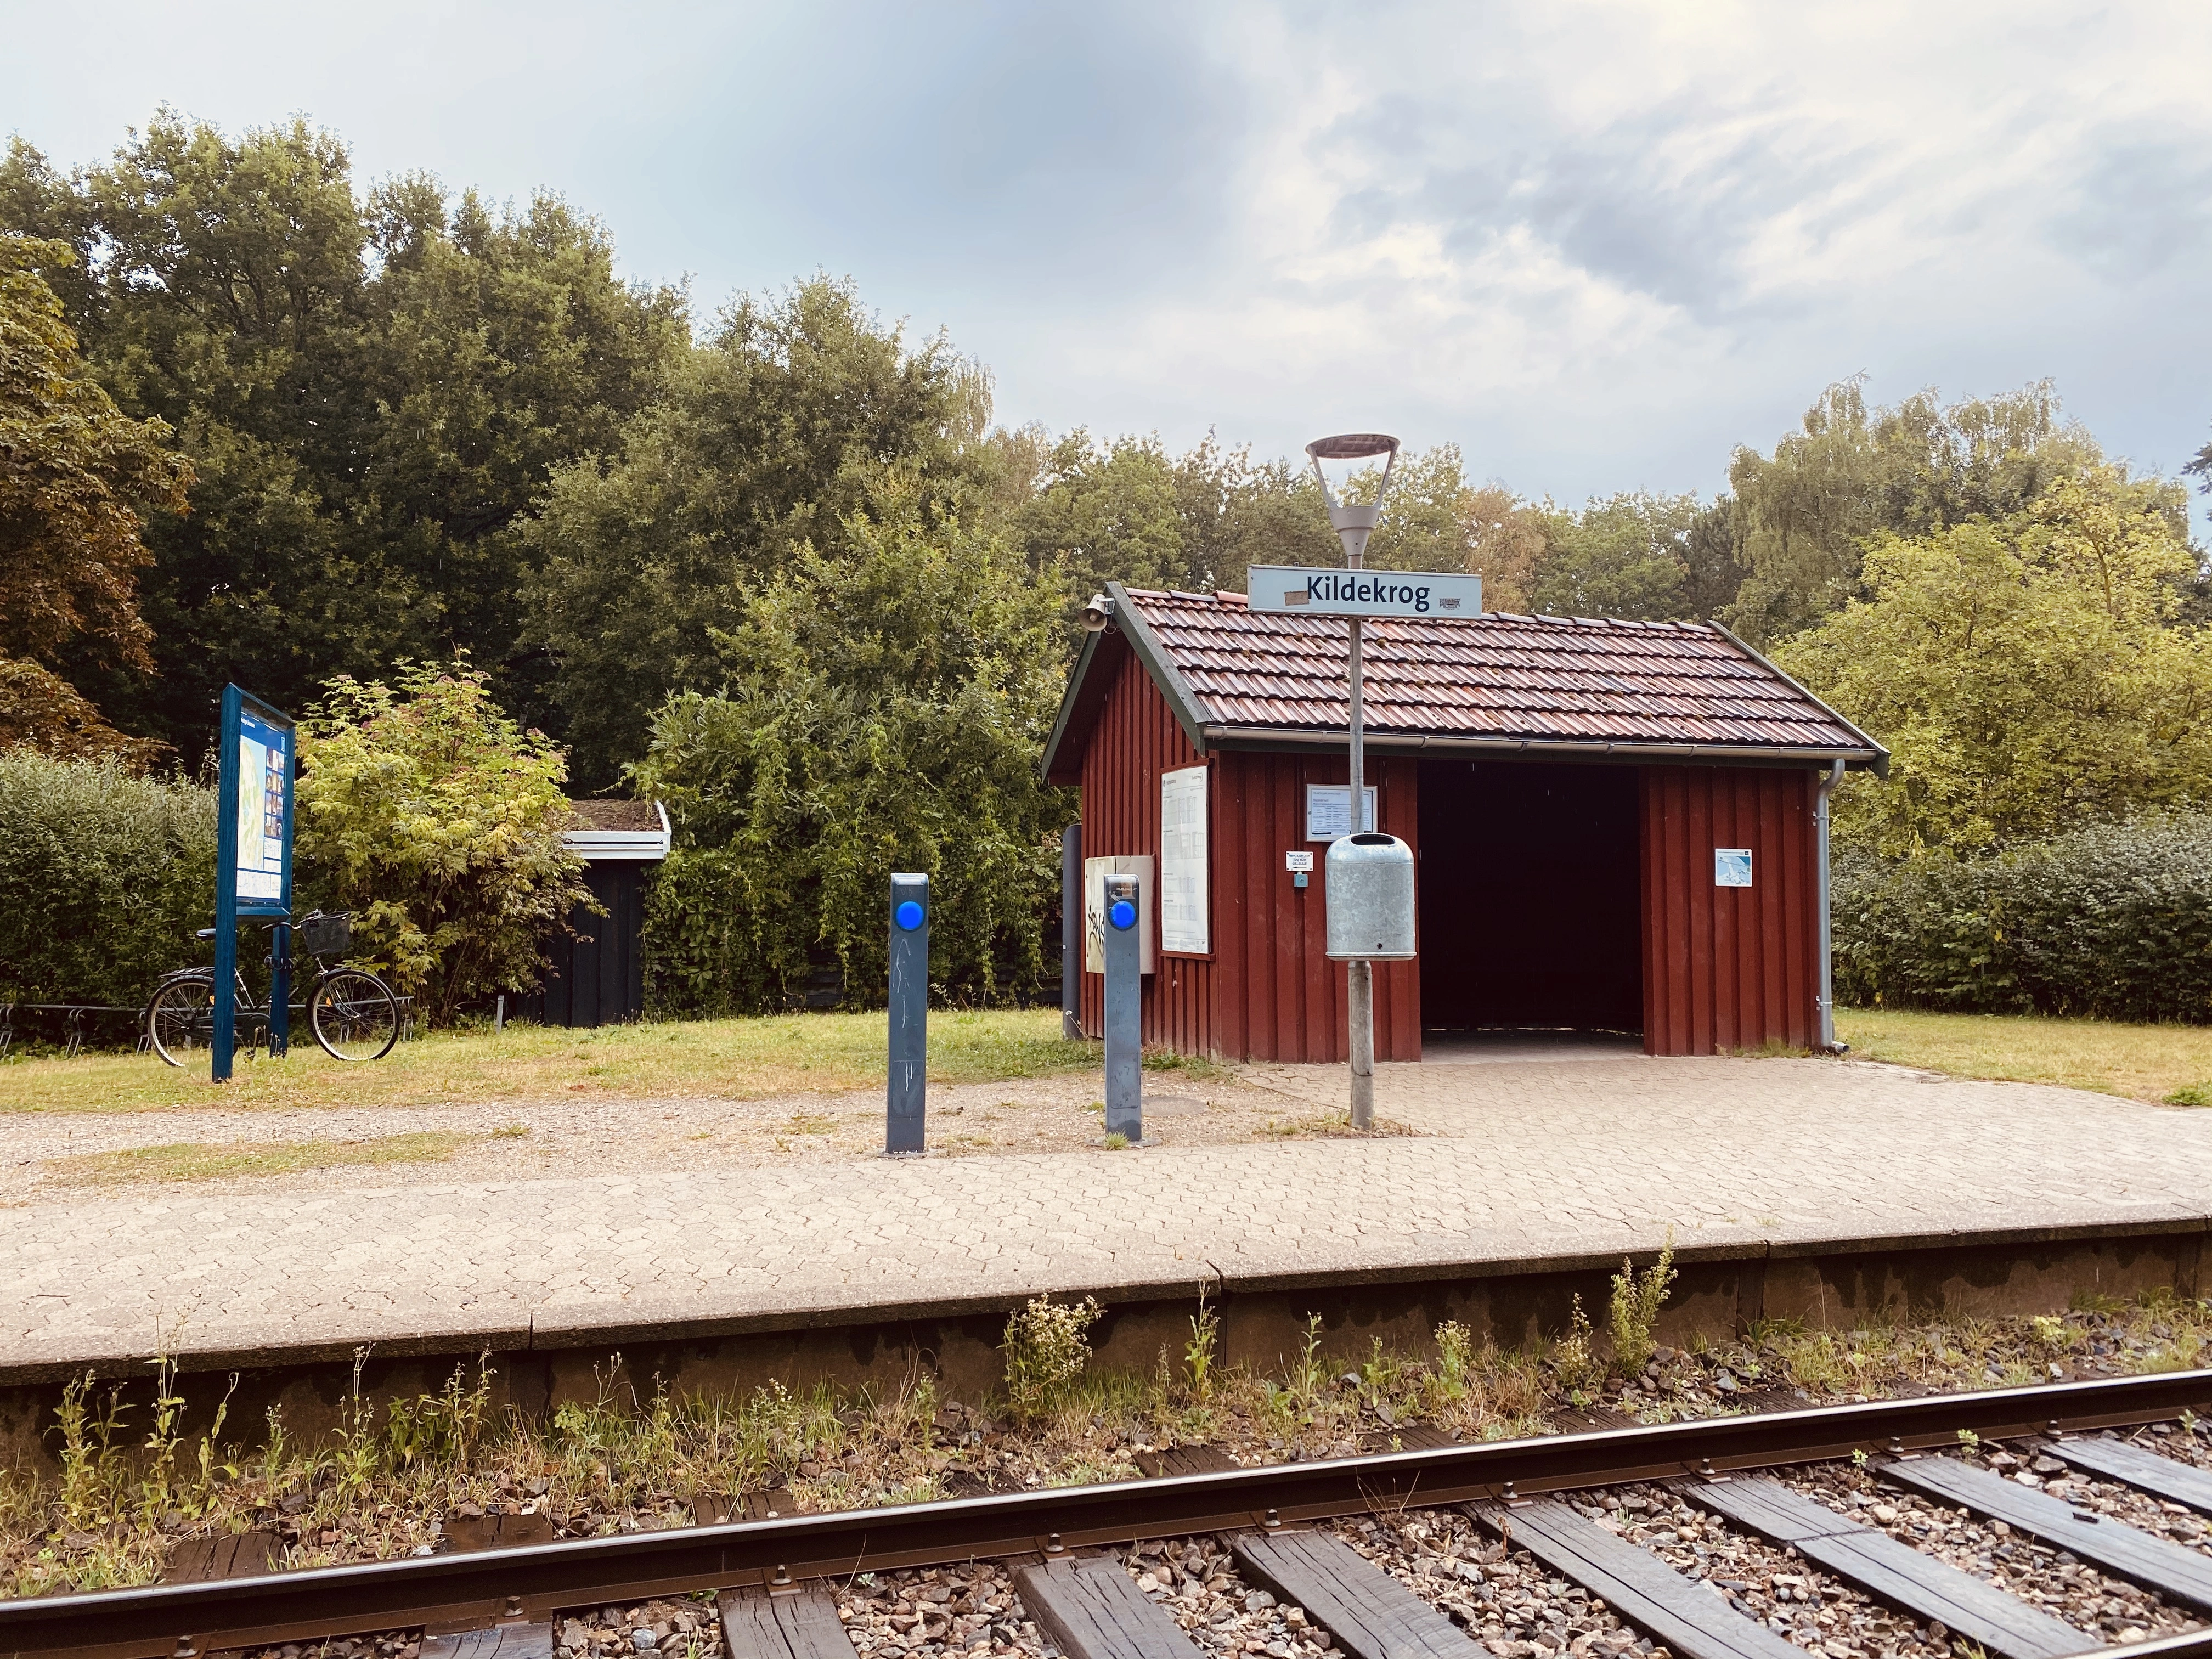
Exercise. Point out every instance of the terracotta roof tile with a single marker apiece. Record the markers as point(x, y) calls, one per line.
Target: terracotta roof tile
point(1498, 674)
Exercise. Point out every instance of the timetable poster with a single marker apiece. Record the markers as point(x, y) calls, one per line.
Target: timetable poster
point(264, 771)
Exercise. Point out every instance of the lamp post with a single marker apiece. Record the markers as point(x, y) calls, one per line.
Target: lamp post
point(1353, 524)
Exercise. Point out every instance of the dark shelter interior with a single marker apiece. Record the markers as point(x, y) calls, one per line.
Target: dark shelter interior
point(1530, 897)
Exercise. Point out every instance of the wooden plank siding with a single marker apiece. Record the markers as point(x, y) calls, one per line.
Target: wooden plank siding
point(1730, 968)
point(1266, 991)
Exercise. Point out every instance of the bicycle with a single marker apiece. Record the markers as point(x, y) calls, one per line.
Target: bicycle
point(352, 1012)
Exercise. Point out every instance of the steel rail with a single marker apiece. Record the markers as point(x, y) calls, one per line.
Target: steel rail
point(180, 1620)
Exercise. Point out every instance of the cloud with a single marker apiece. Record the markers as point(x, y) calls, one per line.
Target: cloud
point(1596, 242)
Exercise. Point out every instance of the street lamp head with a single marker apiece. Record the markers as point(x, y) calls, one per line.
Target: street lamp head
point(1353, 524)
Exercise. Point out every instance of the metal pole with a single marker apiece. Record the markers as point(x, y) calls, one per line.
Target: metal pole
point(1071, 932)
point(280, 990)
point(1359, 976)
point(222, 1042)
point(906, 1101)
point(1354, 522)
point(1125, 1033)
point(1826, 788)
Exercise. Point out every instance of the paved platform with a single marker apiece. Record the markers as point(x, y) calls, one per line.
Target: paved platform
point(1517, 1161)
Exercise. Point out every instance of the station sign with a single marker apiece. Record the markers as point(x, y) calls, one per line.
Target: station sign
point(1331, 593)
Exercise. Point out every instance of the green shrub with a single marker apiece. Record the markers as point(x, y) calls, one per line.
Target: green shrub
point(104, 876)
point(438, 822)
point(884, 710)
point(2113, 920)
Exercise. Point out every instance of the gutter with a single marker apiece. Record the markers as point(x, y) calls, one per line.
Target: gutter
point(1828, 1043)
point(1258, 737)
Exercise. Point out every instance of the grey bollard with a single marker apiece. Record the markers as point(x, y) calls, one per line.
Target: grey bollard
point(909, 1086)
point(1125, 1031)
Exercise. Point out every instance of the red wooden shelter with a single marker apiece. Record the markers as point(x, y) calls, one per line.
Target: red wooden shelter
point(1615, 824)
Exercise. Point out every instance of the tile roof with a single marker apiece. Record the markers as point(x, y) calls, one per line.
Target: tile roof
point(1496, 676)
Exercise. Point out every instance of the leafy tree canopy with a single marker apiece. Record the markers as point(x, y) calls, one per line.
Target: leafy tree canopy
point(438, 822)
point(76, 473)
point(370, 388)
point(773, 438)
point(2027, 672)
point(1801, 518)
point(885, 706)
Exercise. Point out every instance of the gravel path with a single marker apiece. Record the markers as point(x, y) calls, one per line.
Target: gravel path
point(618, 1136)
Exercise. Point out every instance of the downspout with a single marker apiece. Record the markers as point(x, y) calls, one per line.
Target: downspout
point(1828, 1043)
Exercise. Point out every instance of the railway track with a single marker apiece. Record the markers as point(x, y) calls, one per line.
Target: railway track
point(1289, 1537)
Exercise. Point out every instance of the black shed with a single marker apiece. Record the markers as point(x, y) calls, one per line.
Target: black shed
point(597, 977)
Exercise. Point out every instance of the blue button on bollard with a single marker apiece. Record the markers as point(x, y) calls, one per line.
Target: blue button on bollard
point(908, 915)
point(1123, 915)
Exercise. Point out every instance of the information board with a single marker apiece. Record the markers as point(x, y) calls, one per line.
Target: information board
point(262, 862)
point(1731, 866)
point(1183, 907)
point(1328, 811)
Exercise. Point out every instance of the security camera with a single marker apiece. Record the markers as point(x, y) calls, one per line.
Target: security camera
point(1097, 613)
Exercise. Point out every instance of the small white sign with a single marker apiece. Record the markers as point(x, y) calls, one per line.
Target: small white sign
point(1328, 811)
point(1362, 593)
point(1731, 866)
point(1295, 862)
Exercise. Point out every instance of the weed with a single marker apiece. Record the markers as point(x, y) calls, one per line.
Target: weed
point(1455, 1355)
point(1117, 1142)
point(1969, 1441)
point(2190, 1094)
point(1202, 1352)
point(1634, 1309)
point(1574, 1356)
point(1046, 1347)
point(1309, 1377)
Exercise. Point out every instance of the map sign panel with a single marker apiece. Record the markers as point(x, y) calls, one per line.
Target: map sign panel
point(264, 768)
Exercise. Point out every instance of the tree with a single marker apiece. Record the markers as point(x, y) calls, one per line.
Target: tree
point(2027, 673)
point(1621, 555)
point(371, 392)
point(76, 473)
point(886, 707)
point(1801, 517)
point(438, 822)
point(772, 438)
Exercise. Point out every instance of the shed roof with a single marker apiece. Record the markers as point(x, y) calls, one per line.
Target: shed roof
point(1242, 678)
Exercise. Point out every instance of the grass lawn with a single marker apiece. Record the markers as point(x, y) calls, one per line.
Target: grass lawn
point(2171, 1063)
point(200, 1161)
point(728, 1059)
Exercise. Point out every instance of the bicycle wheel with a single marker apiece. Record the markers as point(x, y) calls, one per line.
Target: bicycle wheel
point(354, 1014)
point(180, 1019)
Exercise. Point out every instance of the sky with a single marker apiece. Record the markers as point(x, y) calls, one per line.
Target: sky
point(1596, 245)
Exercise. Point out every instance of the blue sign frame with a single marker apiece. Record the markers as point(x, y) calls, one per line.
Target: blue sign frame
point(257, 768)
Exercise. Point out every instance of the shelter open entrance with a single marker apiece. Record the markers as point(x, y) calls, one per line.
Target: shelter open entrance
point(1530, 900)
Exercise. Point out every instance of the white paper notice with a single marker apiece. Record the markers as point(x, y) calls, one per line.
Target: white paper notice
point(1328, 811)
point(1183, 908)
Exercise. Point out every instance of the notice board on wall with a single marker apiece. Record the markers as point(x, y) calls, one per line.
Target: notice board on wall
point(1183, 896)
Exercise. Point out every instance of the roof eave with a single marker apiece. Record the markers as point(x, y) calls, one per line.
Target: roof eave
point(1066, 719)
point(1190, 712)
point(1415, 743)
point(1878, 760)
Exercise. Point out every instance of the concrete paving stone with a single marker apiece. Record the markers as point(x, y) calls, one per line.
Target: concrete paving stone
point(1509, 1161)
